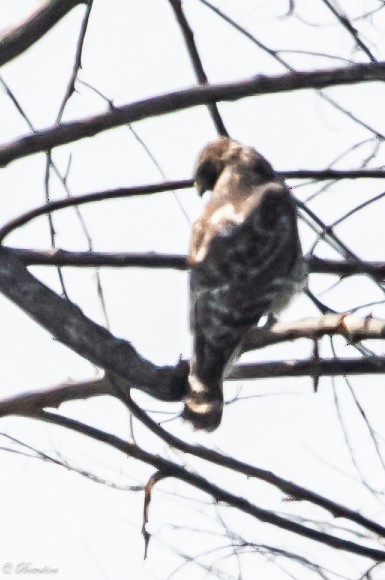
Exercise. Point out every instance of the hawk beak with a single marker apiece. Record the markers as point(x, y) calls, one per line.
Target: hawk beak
point(199, 188)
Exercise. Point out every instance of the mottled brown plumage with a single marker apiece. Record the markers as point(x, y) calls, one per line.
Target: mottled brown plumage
point(246, 261)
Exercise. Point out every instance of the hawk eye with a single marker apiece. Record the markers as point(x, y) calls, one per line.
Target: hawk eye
point(207, 173)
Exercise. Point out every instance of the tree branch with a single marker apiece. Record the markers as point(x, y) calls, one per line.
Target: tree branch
point(100, 259)
point(52, 206)
point(78, 61)
point(333, 174)
point(220, 494)
point(352, 31)
point(175, 261)
point(70, 326)
point(288, 487)
point(346, 268)
point(196, 62)
point(187, 98)
point(354, 328)
point(28, 403)
point(20, 38)
point(149, 189)
point(308, 368)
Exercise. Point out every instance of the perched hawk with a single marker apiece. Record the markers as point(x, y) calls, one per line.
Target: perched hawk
point(246, 261)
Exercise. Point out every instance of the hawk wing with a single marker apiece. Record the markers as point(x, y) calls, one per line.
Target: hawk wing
point(247, 269)
point(246, 262)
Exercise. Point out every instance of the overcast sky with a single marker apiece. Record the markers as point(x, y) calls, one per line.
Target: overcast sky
point(56, 518)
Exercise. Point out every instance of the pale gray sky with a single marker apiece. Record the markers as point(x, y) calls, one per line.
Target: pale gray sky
point(53, 517)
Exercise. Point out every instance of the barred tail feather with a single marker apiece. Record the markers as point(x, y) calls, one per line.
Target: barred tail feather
point(203, 404)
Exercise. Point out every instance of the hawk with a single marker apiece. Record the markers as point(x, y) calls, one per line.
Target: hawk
point(246, 262)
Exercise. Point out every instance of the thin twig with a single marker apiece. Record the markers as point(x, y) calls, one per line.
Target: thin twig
point(350, 28)
point(148, 488)
point(197, 63)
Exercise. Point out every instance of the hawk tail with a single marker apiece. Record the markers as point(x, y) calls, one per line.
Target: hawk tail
point(203, 403)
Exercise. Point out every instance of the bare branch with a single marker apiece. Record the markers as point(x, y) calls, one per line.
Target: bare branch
point(158, 476)
point(30, 402)
point(90, 198)
point(288, 487)
point(306, 368)
point(119, 359)
point(71, 327)
point(196, 62)
point(16, 104)
point(187, 98)
point(150, 189)
point(175, 261)
point(273, 53)
point(19, 39)
point(354, 328)
point(63, 462)
point(78, 61)
point(350, 28)
point(100, 259)
point(333, 174)
point(174, 470)
point(346, 268)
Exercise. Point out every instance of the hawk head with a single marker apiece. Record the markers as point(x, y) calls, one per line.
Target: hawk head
point(212, 161)
point(224, 152)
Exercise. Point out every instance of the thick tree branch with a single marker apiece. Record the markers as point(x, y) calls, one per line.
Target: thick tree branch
point(20, 38)
point(71, 327)
point(187, 98)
